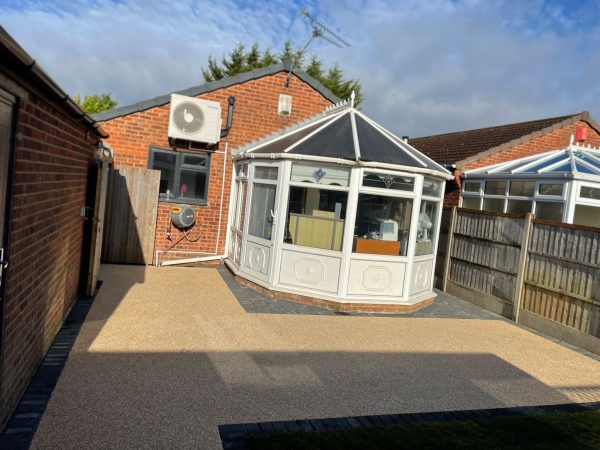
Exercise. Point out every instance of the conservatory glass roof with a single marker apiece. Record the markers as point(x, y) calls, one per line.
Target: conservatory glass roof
point(343, 133)
point(573, 161)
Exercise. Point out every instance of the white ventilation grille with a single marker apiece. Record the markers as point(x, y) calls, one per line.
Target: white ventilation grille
point(285, 105)
point(196, 120)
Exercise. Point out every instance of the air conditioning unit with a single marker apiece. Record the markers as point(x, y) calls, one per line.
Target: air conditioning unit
point(192, 119)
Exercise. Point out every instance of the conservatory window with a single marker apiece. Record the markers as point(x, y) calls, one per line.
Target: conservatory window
point(493, 204)
point(587, 215)
point(317, 174)
point(427, 228)
point(471, 186)
point(316, 217)
point(263, 204)
point(382, 225)
point(495, 188)
point(519, 206)
point(432, 188)
point(266, 173)
point(470, 202)
point(554, 189)
point(589, 192)
point(549, 211)
point(522, 188)
point(386, 181)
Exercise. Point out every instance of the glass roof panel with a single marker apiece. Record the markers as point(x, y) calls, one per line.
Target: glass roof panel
point(333, 141)
point(280, 145)
point(562, 168)
point(588, 159)
point(374, 146)
point(584, 169)
point(549, 162)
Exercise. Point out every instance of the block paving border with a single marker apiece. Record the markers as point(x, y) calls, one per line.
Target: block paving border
point(22, 425)
point(237, 436)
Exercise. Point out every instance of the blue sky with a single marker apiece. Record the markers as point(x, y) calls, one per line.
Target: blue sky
point(426, 66)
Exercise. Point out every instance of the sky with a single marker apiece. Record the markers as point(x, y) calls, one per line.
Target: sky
point(426, 67)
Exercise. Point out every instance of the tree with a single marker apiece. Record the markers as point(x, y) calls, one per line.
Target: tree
point(93, 104)
point(240, 60)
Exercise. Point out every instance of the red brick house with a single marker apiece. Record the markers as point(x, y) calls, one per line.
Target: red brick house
point(139, 137)
point(471, 149)
point(47, 146)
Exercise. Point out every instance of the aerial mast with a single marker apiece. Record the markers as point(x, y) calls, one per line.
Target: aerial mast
point(319, 30)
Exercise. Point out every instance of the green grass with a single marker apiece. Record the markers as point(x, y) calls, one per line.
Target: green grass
point(546, 431)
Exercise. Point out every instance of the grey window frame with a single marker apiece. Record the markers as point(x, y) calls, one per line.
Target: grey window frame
point(179, 166)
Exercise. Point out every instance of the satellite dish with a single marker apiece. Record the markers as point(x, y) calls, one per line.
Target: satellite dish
point(188, 117)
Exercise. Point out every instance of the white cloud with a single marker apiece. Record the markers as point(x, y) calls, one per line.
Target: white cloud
point(426, 67)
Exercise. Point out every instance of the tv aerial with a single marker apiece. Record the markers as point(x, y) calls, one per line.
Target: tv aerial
point(319, 30)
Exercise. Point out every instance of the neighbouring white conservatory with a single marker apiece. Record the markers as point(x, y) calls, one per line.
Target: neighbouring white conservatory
point(560, 185)
point(338, 209)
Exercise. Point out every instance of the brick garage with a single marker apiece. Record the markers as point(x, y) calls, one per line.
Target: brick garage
point(472, 149)
point(50, 147)
point(135, 128)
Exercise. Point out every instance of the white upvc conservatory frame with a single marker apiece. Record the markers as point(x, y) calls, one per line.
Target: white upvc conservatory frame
point(425, 264)
point(570, 198)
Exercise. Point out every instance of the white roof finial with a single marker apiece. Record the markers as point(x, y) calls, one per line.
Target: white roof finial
point(352, 95)
point(571, 140)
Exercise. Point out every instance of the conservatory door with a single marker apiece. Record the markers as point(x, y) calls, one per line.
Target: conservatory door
point(260, 232)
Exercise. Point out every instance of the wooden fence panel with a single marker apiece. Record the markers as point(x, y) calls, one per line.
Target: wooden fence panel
point(562, 281)
point(485, 253)
point(131, 216)
point(503, 229)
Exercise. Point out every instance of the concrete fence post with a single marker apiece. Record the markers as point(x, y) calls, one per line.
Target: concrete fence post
point(449, 248)
point(522, 266)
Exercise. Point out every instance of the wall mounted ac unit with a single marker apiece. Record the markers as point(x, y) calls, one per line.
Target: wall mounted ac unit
point(192, 119)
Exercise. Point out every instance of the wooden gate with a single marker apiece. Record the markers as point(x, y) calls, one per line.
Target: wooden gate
point(131, 216)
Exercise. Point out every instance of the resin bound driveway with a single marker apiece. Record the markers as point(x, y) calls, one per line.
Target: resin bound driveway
point(166, 355)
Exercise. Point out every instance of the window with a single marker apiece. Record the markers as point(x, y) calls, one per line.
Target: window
point(555, 189)
point(183, 176)
point(382, 225)
point(493, 204)
point(587, 215)
point(427, 229)
point(431, 187)
point(316, 217)
point(470, 202)
point(549, 211)
point(589, 192)
point(522, 188)
point(386, 181)
point(470, 186)
point(263, 203)
point(495, 187)
point(519, 206)
point(319, 174)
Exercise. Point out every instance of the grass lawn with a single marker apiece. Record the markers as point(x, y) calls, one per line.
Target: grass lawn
point(556, 431)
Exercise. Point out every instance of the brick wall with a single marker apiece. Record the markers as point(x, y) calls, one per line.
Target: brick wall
point(52, 155)
point(255, 116)
point(554, 140)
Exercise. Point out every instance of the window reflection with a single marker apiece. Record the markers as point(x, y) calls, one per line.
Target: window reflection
point(382, 225)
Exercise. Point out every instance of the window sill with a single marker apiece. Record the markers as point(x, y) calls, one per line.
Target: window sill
point(184, 201)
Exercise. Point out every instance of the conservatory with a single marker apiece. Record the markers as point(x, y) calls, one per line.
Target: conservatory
point(337, 209)
point(560, 185)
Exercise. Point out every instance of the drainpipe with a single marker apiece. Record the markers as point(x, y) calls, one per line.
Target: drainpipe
point(215, 256)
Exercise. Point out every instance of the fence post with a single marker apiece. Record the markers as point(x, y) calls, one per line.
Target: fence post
point(448, 247)
point(522, 266)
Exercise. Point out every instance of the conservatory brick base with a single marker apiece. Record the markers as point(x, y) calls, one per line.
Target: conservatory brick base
point(381, 308)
